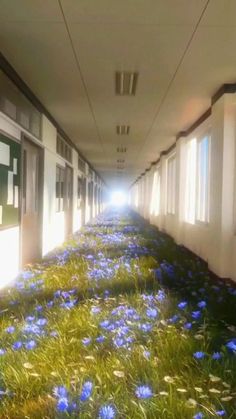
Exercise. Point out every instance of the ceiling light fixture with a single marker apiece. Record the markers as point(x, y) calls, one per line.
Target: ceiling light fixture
point(126, 83)
point(121, 149)
point(122, 129)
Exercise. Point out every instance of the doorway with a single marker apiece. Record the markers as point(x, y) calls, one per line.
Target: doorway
point(31, 207)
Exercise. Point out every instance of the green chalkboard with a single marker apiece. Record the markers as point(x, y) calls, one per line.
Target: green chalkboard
point(10, 167)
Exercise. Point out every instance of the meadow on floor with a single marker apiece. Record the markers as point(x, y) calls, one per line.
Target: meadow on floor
point(119, 322)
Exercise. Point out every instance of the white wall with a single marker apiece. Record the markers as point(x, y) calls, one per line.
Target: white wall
point(214, 241)
point(53, 223)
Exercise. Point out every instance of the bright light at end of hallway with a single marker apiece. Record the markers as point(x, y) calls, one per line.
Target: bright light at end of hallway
point(118, 198)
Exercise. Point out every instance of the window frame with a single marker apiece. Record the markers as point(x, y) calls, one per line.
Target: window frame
point(60, 189)
point(155, 197)
point(63, 149)
point(12, 95)
point(79, 191)
point(188, 188)
point(200, 138)
point(171, 184)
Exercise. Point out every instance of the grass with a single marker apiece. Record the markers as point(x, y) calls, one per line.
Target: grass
point(104, 308)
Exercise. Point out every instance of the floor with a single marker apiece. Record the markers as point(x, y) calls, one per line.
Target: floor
point(118, 323)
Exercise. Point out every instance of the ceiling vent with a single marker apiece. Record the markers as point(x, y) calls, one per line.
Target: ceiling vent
point(126, 83)
point(121, 149)
point(122, 129)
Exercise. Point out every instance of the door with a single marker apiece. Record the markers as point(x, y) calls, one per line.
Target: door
point(31, 220)
point(68, 201)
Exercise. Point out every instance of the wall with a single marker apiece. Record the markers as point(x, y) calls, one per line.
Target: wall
point(214, 241)
point(53, 223)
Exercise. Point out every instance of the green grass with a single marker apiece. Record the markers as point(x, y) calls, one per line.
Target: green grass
point(181, 385)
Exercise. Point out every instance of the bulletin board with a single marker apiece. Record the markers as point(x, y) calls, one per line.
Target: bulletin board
point(10, 167)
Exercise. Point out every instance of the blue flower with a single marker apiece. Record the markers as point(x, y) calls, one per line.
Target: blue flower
point(160, 295)
point(86, 391)
point(182, 305)
point(143, 392)
point(30, 318)
point(54, 333)
point(95, 310)
point(17, 345)
point(119, 342)
point(60, 392)
point(202, 304)
point(196, 314)
point(158, 273)
point(198, 416)
point(231, 345)
point(107, 411)
point(152, 313)
point(10, 329)
point(146, 354)
point(2, 351)
point(216, 356)
point(220, 412)
point(145, 327)
point(104, 324)
point(187, 325)
point(100, 339)
point(57, 293)
point(174, 319)
point(199, 355)
point(62, 404)
point(86, 341)
point(30, 345)
point(41, 322)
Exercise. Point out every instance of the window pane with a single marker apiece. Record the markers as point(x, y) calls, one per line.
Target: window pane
point(155, 198)
point(190, 185)
point(203, 180)
point(171, 176)
point(15, 105)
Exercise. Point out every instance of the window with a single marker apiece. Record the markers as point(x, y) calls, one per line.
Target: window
point(171, 176)
point(91, 174)
point(17, 107)
point(90, 193)
point(81, 165)
point(79, 192)
point(155, 200)
point(190, 185)
point(136, 195)
point(203, 180)
point(63, 149)
point(60, 179)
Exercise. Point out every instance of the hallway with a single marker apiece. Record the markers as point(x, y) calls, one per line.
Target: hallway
point(118, 323)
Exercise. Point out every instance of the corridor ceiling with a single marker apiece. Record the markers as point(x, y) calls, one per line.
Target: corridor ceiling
point(68, 52)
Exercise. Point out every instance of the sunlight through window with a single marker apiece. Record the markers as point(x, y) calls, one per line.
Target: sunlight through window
point(118, 198)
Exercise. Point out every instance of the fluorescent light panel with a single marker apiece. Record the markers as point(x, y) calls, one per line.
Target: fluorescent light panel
point(121, 149)
point(122, 129)
point(126, 83)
